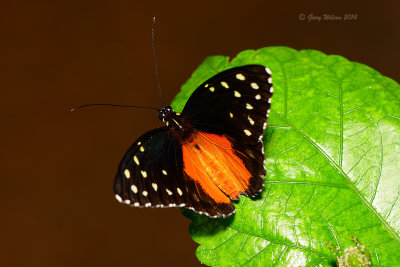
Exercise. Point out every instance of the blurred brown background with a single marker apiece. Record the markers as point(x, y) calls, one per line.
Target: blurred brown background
point(57, 167)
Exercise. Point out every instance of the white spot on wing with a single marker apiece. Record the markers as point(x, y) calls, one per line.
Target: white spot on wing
point(164, 172)
point(155, 186)
point(271, 90)
point(127, 174)
point(247, 132)
point(254, 86)
point(144, 174)
point(206, 85)
point(134, 188)
point(212, 89)
point(258, 97)
point(136, 160)
point(118, 198)
point(270, 80)
point(240, 76)
point(169, 192)
point(136, 204)
point(139, 143)
point(145, 193)
point(237, 94)
point(269, 100)
point(179, 191)
point(230, 114)
point(268, 71)
point(142, 149)
point(250, 120)
point(127, 201)
point(224, 84)
point(147, 205)
point(248, 106)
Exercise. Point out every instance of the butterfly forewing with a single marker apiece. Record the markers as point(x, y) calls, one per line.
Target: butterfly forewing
point(234, 102)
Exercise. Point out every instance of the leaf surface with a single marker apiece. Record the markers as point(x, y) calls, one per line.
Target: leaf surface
point(332, 150)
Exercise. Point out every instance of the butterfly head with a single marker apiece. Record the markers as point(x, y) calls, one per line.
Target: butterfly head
point(166, 113)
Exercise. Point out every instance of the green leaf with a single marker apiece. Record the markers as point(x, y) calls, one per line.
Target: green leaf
point(333, 160)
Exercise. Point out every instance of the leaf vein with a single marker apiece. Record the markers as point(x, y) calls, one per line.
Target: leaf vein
point(283, 243)
point(350, 185)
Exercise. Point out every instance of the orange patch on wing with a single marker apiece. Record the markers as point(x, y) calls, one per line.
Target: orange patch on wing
point(210, 160)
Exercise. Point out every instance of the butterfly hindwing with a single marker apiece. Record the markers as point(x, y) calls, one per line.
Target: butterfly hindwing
point(151, 175)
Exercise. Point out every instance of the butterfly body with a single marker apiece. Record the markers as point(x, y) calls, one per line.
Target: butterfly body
point(208, 154)
point(179, 126)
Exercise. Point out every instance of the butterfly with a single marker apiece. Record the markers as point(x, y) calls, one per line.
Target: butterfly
point(208, 154)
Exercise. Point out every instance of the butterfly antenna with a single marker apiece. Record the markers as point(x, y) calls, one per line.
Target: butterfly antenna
point(111, 105)
point(155, 61)
point(157, 78)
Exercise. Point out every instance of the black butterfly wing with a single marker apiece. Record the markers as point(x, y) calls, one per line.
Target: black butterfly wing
point(235, 103)
point(151, 175)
